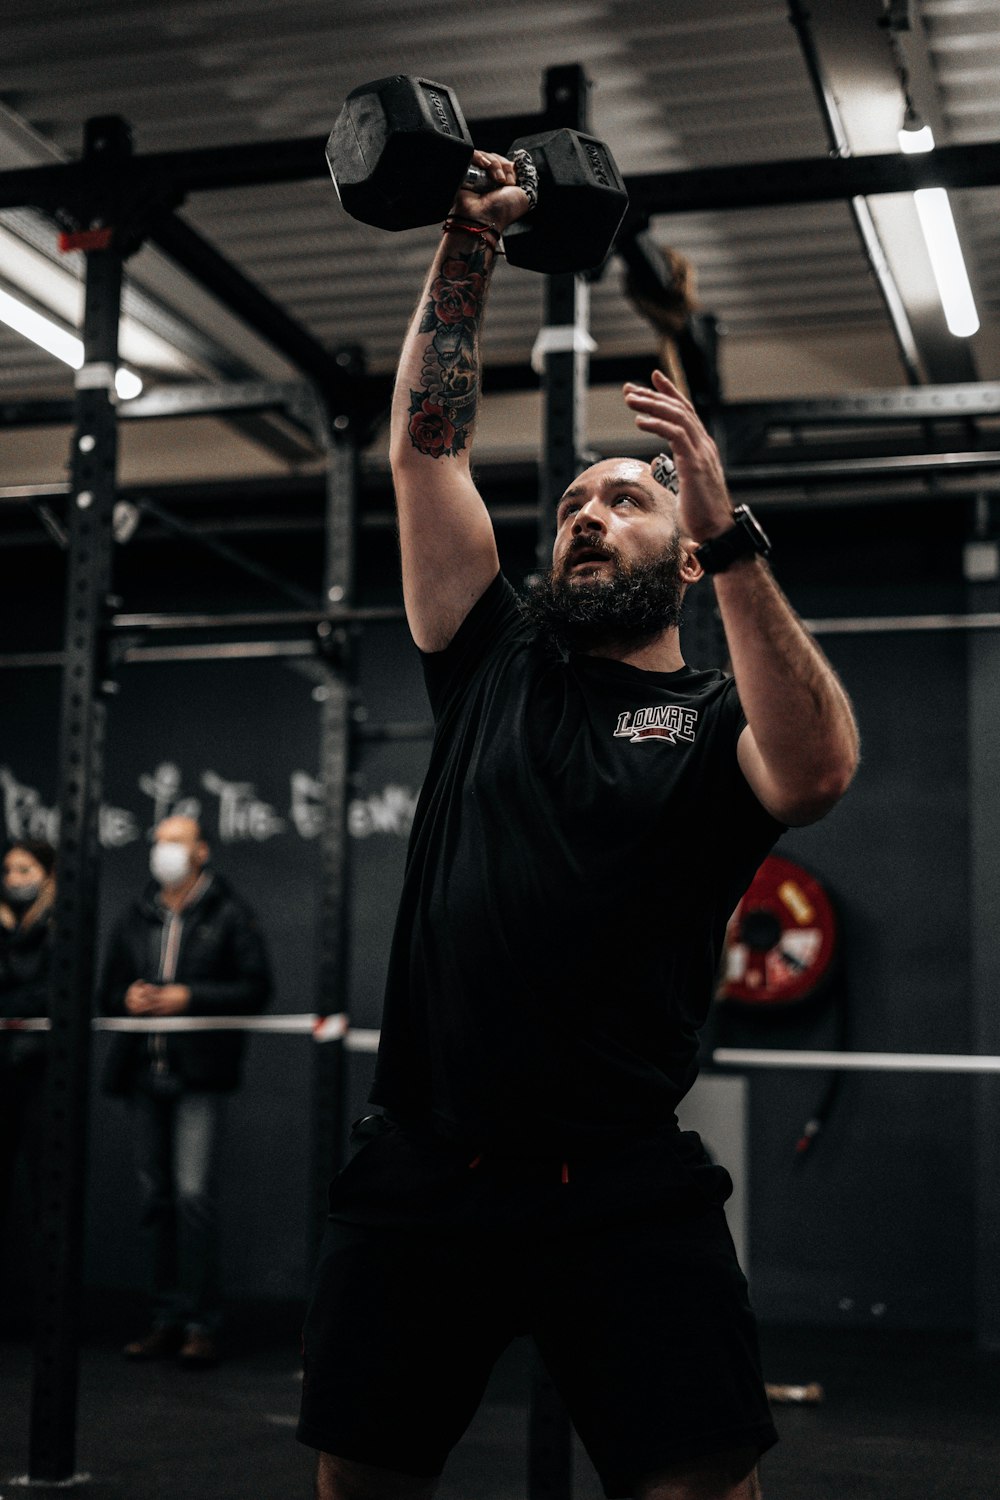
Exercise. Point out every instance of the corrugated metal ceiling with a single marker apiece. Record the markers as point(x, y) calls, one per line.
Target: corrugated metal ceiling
point(693, 82)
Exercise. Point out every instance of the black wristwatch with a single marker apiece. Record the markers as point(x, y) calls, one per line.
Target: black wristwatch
point(745, 538)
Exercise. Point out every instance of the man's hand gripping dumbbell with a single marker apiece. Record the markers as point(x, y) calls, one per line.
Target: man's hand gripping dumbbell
point(494, 194)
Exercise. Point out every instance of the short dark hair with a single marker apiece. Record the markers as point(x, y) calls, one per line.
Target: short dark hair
point(39, 849)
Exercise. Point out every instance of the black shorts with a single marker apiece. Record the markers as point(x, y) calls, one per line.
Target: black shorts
point(641, 1319)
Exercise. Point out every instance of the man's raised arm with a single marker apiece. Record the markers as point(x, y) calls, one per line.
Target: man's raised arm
point(448, 549)
point(800, 748)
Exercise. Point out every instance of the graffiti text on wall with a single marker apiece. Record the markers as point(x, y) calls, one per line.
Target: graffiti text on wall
point(231, 811)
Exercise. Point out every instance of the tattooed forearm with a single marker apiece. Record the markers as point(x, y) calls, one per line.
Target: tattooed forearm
point(443, 411)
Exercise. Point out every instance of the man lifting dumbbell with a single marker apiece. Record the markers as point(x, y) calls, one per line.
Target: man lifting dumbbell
point(592, 812)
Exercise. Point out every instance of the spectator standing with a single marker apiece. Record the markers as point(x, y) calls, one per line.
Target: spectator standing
point(27, 897)
point(188, 947)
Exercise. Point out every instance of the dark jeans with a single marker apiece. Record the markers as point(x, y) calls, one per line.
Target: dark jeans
point(178, 1150)
point(22, 1116)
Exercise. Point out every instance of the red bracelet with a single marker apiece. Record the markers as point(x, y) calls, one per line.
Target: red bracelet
point(478, 228)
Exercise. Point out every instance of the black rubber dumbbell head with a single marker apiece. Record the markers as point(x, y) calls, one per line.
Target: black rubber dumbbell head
point(398, 152)
point(581, 203)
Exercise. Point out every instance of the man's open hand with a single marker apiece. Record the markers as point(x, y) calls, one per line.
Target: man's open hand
point(705, 508)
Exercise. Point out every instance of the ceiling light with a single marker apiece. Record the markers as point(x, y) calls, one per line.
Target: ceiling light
point(127, 384)
point(914, 135)
point(55, 340)
point(58, 290)
point(947, 263)
point(41, 331)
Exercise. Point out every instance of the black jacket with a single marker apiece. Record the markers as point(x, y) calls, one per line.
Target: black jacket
point(24, 978)
point(221, 959)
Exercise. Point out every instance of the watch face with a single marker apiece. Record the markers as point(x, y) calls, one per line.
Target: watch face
point(748, 522)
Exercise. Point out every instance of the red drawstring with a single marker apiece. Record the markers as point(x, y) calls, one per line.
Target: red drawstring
point(564, 1175)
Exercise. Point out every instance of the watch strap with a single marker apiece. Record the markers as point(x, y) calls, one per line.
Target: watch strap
point(745, 538)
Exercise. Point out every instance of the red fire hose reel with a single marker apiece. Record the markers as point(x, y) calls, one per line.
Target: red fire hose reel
point(781, 939)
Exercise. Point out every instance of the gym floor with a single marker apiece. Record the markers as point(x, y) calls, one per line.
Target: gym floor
point(904, 1415)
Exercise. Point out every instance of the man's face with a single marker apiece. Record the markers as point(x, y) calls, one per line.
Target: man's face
point(21, 869)
point(615, 515)
point(616, 561)
point(183, 831)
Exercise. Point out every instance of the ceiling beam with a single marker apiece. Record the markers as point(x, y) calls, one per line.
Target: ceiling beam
point(772, 184)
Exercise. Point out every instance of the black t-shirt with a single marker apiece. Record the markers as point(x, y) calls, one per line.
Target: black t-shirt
point(582, 837)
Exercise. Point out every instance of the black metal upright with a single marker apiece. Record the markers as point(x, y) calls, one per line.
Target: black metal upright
point(565, 341)
point(52, 1444)
point(564, 349)
point(983, 742)
point(336, 716)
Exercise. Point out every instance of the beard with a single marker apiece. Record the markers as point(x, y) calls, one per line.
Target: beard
point(637, 602)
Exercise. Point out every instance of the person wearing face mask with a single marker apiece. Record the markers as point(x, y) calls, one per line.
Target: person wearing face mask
point(188, 946)
point(27, 894)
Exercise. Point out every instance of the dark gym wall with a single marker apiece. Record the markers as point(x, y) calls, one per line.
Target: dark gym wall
point(875, 1226)
point(865, 1228)
point(237, 744)
point(876, 1223)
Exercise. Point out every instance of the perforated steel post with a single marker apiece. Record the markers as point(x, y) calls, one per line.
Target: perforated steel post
point(52, 1443)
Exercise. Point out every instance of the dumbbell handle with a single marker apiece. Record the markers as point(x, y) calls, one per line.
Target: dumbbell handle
point(477, 180)
point(525, 175)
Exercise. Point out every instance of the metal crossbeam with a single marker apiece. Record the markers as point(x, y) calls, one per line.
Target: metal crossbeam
point(213, 398)
point(221, 398)
point(814, 179)
point(750, 185)
point(258, 619)
point(902, 404)
point(954, 474)
point(852, 470)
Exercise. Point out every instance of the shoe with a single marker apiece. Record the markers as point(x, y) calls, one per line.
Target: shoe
point(161, 1343)
point(199, 1351)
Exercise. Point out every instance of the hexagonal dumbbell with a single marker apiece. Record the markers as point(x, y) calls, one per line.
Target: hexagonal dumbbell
point(400, 150)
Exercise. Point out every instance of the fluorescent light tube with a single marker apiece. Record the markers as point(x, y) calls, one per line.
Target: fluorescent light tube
point(60, 293)
point(41, 331)
point(55, 340)
point(947, 263)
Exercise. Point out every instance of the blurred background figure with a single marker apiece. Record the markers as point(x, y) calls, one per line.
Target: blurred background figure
point(188, 946)
point(27, 895)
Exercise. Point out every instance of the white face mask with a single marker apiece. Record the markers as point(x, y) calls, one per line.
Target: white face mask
point(169, 863)
point(22, 895)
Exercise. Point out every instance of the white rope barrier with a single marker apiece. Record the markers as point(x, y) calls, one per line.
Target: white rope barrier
point(357, 1039)
point(322, 1028)
point(362, 1041)
point(287, 1025)
point(871, 1062)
